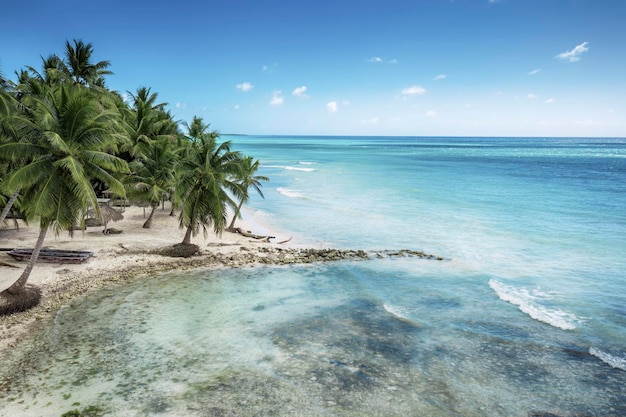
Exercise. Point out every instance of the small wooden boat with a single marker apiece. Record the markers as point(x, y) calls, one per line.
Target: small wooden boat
point(53, 255)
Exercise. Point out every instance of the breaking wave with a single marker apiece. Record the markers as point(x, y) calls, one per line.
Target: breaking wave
point(612, 360)
point(289, 193)
point(290, 168)
point(528, 303)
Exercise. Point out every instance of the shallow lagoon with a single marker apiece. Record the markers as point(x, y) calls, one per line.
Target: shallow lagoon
point(309, 341)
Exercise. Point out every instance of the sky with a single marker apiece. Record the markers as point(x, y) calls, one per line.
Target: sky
point(350, 67)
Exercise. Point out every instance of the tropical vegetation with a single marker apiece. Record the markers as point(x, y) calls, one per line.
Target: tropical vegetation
point(65, 139)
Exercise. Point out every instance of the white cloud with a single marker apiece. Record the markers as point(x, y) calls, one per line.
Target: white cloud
point(412, 90)
point(245, 87)
point(236, 107)
point(574, 54)
point(269, 69)
point(379, 60)
point(535, 71)
point(277, 99)
point(370, 121)
point(550, 101)
point(181, 105)
point(431, 113)
point(440, 77)
point(531, 96)
point(125, 97)
point(588, 122)
point(346, 102)
point(300, 91)
point(332, 107)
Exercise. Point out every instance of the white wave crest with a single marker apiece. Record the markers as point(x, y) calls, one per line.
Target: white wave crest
point(306, 163)
point(289, 193)
point(612, 360)
point(290, 168)
point(527, 303)
point(395, 311)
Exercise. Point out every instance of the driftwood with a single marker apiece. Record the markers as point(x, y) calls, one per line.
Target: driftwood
point(252, 235)
point(6, 264)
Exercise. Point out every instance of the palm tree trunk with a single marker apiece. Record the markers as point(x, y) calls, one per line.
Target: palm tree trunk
point(19, 285)
point(187, 239)
point(7, 208)
point(148, 223)
point(231, 226)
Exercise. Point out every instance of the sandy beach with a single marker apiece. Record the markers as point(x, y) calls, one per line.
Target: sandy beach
point(117, 258)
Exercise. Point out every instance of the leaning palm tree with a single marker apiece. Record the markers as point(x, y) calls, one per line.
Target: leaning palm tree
point(208, 173)
point(247, 179)
point(75, 136)
point(152, 178)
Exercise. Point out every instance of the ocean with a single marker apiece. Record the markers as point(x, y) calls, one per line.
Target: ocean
point(524, 316)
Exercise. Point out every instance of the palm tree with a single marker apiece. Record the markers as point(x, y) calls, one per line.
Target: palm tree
point(152, 178)
point(78, 65)
point(208, 173)
point(6, 99)
point(247, 179)
point(147, 121)
point(9, 131)
point(75, 136)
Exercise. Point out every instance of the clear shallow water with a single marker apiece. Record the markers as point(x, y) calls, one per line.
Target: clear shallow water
point(526, 315)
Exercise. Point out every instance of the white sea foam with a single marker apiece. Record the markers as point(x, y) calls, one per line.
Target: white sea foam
point(612, 360)
point(290, 168)
point(528, 302)
point(289, 193)
point(396, 311)
point(306, 163)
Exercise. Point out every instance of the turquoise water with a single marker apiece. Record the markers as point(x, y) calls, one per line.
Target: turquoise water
point(527, 314)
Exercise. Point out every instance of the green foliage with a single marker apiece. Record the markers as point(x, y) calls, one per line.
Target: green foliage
point(62, 132)
point(152, 175)
point(72, 137)
point(207, 180)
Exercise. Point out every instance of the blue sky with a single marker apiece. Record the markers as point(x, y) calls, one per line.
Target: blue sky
point(351, 67)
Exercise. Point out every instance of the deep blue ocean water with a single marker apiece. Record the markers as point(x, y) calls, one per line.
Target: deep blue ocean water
point(526, 314)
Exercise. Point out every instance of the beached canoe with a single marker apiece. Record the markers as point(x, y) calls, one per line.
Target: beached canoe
point(53, 255)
